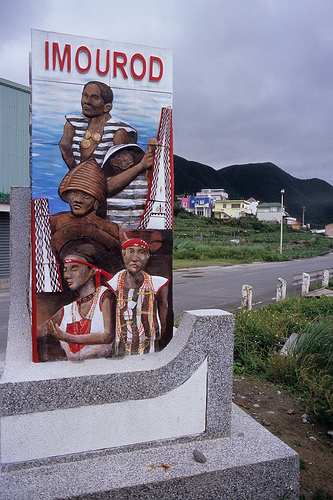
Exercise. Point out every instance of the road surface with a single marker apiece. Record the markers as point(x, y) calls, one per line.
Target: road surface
point(221, 286)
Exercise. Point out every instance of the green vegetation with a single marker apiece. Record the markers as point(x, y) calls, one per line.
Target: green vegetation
point(321, 495)
point(308, 370)
point(201, 240)
point(4, 196)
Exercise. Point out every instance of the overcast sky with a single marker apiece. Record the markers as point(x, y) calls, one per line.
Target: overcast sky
point(253, 79)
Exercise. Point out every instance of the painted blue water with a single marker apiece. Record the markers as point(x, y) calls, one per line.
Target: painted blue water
point(51, 101)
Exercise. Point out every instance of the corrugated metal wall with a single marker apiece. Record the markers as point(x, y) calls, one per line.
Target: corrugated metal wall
point(4, 245)
point(14, 135)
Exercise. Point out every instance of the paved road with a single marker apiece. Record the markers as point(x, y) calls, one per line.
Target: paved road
point(220, 287)
point(216, 287)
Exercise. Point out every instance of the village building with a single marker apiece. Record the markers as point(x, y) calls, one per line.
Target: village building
point(253, 205)
point(270, 212)
point(228, 209)
point(293, 222)
point(14, 156)
point(203, 202)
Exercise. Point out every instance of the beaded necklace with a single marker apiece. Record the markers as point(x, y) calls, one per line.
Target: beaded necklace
point(89, 315)
point(86, 298)
point(124, 326)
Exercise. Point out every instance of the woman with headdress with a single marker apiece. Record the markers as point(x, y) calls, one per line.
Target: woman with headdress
point(85, 328)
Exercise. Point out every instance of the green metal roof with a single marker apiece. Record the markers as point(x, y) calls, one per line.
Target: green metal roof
point(273, 204)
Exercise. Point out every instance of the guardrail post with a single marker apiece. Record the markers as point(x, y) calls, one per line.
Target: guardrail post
point(305, 283)
point(247, 297)
point(281, 290)
point(326, 278)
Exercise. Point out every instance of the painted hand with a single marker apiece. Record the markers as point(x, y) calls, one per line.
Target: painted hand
point(55, 330)
point(147, 160)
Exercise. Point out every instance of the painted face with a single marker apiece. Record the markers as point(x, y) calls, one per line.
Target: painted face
point(135, 259)
point(75, 274)
point(92, 103)
point(122, 160)
point(81, 203)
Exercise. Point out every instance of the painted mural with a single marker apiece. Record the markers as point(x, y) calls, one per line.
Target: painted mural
point(102, 198)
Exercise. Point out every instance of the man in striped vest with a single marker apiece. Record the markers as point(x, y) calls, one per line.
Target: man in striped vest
point(90, 134)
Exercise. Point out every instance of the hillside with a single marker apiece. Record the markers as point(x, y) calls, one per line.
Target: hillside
point(263, 181)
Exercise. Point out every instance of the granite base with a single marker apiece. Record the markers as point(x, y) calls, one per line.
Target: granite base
point(250, 464)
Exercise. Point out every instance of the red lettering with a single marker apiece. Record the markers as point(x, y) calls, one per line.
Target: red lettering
point(119, 64)
point(107, 63)
point(67, 53)
point(47, 62)
point(77, 59)
point(83, 61)
point(157, 61)
point(143, 72)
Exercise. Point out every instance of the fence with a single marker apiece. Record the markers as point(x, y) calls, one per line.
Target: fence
point(304, 279)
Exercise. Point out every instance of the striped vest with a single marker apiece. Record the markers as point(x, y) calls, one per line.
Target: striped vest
point(80, 124)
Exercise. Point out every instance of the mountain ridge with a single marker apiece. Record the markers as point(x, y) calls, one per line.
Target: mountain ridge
point(263, 181)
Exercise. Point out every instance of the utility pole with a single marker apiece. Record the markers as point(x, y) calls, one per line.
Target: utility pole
point(281, 235)
point(303, 225)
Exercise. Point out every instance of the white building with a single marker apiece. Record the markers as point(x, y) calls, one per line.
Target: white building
point(215, 194)
point(253, 205)
point(270, 212)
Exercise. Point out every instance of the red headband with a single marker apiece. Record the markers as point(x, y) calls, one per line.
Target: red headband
point(135, 242)
point(99, 272)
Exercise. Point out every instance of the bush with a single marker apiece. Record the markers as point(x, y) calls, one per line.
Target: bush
point(181, 212)
point(316, 341)
point(260, 334)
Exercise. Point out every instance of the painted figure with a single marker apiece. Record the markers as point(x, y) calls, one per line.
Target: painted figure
point(127, 169)
point(93, 135)
point(90, 134)
point(84, 188)
point(85, 327)
point(119, 182)
point(119, 178)
point(142, 303)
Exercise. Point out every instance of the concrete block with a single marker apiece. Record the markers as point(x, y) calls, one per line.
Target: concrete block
point(252, 463)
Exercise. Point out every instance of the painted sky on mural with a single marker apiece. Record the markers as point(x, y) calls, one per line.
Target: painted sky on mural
point(253, 79)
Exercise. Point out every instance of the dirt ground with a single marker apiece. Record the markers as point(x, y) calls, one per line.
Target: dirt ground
point(282, 414)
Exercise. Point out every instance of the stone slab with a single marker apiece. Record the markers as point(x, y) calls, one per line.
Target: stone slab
point(31, 410)
point(290, 344)
point(38, 435)
point(252, 463)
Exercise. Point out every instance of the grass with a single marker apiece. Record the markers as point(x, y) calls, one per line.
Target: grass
point(316, 341)
point(321, 495)
point(202, 241)
point(188, 263)
point(302, 464)
point(308, 371)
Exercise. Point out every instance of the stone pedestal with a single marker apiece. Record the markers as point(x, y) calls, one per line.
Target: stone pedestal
point(127, 428)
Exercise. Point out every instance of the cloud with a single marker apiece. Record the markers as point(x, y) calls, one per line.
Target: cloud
point(252, 80)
